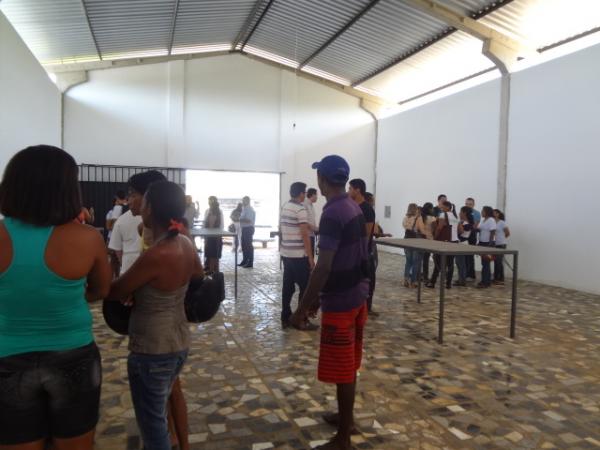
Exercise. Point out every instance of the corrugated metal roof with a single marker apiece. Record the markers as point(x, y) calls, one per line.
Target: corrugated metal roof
point(131, 26)
point(55, 32)
point(295, 29)
point(543, 23)
point(470, 7)
point(209, 22)
point(386, 31)
point(385, 45)
point(453, 58)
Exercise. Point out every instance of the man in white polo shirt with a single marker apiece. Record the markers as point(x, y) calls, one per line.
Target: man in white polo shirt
point(295, 250)
point(125, 239)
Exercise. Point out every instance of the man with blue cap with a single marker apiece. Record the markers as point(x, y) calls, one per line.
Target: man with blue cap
point(339, 285)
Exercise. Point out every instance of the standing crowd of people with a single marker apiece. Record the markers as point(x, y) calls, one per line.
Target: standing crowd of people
point(487, 228)
point(52, 265)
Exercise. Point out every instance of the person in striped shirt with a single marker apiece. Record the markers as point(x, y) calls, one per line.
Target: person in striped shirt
point(295, 251)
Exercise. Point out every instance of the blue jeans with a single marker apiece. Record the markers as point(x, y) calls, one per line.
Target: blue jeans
point(413, 264)
point(150, 380)
point(486, 272)
point(409, 265)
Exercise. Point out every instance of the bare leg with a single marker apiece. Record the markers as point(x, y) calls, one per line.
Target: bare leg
point(345, 398)
point(178, 409)
point(171, 424)
point(83, 442)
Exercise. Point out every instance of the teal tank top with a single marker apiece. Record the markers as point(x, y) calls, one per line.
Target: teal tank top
point(39, 310)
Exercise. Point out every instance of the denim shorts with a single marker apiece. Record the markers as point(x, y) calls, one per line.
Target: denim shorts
point(49, 394)
point(150, 380)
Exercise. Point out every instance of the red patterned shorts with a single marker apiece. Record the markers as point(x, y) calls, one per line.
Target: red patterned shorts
point(341, 345)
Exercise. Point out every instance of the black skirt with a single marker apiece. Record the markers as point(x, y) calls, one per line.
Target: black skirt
point(213, 247)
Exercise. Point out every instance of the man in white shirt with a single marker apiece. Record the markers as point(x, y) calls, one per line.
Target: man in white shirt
point(247, 222)
point(295, 250)
point(125, 239)
point(309, 201)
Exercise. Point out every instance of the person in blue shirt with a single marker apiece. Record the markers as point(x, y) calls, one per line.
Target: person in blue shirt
point(470, 259)
point(247, 222)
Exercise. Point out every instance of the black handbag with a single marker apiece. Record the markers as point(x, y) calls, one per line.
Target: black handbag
point(412, 233)
point(202, 302)
point(204, 297)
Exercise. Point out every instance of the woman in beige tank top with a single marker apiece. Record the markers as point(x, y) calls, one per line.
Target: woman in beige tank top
point(158, 329)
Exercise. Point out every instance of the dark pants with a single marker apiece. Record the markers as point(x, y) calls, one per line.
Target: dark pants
point(486, 273)
point(313, 241)
point(437, 260)
point(470, 263)
point(295, 272)
point(247, 247)
point(372, 280)
point(426, 265)
point(499, 266)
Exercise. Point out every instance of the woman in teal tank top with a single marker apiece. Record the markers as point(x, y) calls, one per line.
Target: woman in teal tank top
point(50, 267)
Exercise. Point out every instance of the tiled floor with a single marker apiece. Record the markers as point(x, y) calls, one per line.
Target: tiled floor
point(250, 385)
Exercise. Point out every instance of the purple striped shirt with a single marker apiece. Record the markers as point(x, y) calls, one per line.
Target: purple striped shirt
point(342, 229)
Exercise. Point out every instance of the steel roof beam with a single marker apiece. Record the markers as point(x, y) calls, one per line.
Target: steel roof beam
point(254, 28)
point(341, 31)
point(173, 23)
point(503, 50)
point(456, 22)
point(87, 19)
point(247, 24)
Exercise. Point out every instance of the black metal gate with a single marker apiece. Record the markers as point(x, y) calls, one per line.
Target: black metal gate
point(99, 184)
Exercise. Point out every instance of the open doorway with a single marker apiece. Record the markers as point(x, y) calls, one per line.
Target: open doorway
point(230, 187)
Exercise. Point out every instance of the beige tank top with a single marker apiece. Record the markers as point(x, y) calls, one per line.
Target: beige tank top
point(158, 323)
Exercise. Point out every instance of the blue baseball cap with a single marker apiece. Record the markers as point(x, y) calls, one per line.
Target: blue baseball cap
point(334, 168)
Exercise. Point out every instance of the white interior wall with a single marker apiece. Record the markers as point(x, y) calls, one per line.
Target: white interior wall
point(223, 113)
point(446, 147)
point(119, 117)
point(328, 122)
point(29, 102)
point(554, 161)
point(451, 146)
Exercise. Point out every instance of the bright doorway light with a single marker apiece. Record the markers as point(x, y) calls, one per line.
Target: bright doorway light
point(231, 187)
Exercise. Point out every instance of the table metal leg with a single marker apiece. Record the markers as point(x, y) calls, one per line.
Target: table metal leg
point(513, 307)
point(442, 294)
point(236, 268)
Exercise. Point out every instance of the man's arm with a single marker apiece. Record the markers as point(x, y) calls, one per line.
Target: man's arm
point(304, 230)
point(116, 245)
point(316, 283)
point(369, 227)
